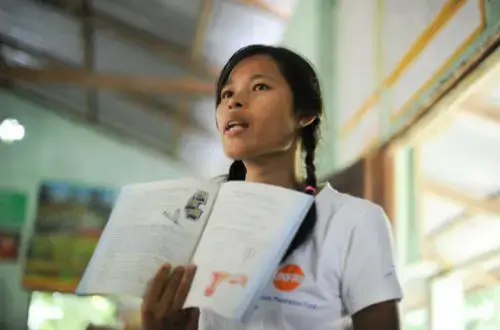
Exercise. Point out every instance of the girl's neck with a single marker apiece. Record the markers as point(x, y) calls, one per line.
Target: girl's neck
point(278, 170)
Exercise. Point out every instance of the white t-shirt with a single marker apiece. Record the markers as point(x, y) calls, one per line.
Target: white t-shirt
point(346, 266)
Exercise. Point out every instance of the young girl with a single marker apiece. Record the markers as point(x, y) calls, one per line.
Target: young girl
point(339, 268)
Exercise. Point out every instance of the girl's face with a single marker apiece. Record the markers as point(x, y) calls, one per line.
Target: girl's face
point(255, 116)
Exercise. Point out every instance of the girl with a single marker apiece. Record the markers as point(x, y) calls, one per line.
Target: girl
point(339, 268)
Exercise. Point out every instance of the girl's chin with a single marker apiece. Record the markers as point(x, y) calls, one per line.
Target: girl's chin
point(237, 153)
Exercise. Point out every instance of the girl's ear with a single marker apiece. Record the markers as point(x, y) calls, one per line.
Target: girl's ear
point(306, 120)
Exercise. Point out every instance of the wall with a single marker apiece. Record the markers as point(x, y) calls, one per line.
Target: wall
point(310, 32)
point(394, 56)
point(55, 148)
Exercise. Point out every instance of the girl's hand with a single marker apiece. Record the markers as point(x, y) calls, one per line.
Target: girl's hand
point(164, 298)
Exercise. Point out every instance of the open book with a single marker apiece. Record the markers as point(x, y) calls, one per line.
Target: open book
point(234, 232)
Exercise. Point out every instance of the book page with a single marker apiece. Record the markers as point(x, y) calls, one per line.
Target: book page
point(151, 224)
point(250, 227)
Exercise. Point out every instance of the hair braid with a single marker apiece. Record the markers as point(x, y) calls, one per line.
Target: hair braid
point(237, 171)
point(309, 141)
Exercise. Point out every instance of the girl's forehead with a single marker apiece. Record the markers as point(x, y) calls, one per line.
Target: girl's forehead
point(262, 65)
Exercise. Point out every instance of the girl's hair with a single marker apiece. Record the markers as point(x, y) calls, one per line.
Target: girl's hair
point(307, 101)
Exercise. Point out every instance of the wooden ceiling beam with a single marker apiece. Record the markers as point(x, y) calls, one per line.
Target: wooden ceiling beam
point(114, 82)
point(487, 114)
point(476, 107)
point(147, 102)
point(88, 36)
point(471, 203)
point(204, 15)
point(4, 82)
point(267, 8)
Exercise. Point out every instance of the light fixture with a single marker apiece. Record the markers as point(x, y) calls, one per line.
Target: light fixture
point(494, 98)
point(100, 303)
point(11, 130)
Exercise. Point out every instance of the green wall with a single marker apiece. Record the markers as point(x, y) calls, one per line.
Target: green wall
point(55, 148)
point(311, 33)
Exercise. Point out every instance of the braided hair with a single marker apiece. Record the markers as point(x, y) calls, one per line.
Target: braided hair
point(307, 101)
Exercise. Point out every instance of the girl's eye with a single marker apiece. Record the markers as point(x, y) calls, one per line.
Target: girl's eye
point(261, 87)
point(226, 94)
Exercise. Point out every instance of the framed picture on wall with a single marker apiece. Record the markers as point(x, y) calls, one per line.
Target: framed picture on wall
point(10, 241)
point(69, 220)
point(13, 206)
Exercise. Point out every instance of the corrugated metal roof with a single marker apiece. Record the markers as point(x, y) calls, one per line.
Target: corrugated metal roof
point(147, 38)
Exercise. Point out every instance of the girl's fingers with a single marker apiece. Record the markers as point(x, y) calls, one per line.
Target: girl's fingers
point(155, 287)
point(183, 289)
point(167, 299)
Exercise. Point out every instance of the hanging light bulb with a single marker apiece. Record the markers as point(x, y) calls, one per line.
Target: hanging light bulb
point(11, 130)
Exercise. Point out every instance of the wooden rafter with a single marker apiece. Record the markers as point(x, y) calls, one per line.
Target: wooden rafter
point(471, 203)
point(114, 82)
point(195, 51)
point(477, 108)
point(490, 115)
point(149, 85)
point(148, 103)
point(268, 8)
point(449, 225)
point(4, 82)
point(88, 32)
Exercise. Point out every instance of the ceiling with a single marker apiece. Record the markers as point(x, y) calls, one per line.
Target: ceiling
point(142, 70)
point(458, 188)
point(460, 178)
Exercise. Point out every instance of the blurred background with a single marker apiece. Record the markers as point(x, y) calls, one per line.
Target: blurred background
point(95, 94)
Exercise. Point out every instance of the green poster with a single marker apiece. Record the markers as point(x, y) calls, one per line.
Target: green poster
point(68, 223)
point(13, 206)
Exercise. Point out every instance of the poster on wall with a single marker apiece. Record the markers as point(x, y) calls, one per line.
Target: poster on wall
point(13, 205)
point(69, 221)
point(10, 242)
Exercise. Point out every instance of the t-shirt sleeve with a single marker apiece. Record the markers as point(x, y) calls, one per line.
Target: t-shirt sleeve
point(369, 275)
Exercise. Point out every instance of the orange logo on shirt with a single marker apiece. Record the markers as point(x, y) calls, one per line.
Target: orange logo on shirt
point(288, 278)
